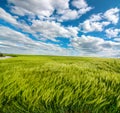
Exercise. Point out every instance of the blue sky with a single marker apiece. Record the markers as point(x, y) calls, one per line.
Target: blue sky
point(62, 27)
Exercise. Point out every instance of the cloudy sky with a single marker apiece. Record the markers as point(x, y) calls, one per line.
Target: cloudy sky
point(60, 27)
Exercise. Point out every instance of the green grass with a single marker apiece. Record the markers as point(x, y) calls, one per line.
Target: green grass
point(50, 84)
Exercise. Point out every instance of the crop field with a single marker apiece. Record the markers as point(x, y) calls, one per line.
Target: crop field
point(55, 84)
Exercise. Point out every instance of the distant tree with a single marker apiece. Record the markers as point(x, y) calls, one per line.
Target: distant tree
point(1, 54)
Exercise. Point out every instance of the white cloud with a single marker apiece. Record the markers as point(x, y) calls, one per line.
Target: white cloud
point(20, 11)
point(69, 15)
point(90, 25)
point(41, 8)
point(112, 15)
point(96, 17)
point(98, 22)
point(13, 20)
point(52, 30)
point(117, 39)
point(112, 33)
point(35, 7)
point(45, 9)
point(84, 10)
point(7, 34)
point(79, 4)
point(7, 17)
point(12, 41)
point(82, 6)
point(60, 5)
point(89, 45)
point(45, 29)
point(73, 14)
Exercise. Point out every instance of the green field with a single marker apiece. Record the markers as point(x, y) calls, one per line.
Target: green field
point(51, 84)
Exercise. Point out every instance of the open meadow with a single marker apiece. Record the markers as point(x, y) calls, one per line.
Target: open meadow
point(56, 84)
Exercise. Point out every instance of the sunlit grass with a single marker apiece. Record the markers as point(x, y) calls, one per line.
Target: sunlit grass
point(50, 84)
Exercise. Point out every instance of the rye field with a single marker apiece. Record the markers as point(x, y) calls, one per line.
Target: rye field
point(56, 84)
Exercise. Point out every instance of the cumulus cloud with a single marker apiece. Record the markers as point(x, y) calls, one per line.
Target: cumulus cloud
point(12, 41)
point(112, 15)
point(13, 21)
point(60, 5)
point(7, 17)
point(20, 11)
point(79, 4)
point(89, 45)
point(117, 39)
point(52, 30)
point(46, 8)
point(112, 33)
point(96, 17)
point(82, 8)
point(13, 37)
point(43, 29)
point(69, 15)
point(93, 24)
point(89, 26)
point(98, 22)
point(35, 7)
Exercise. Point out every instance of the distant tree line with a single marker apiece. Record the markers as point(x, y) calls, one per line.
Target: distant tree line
point(1, 54)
